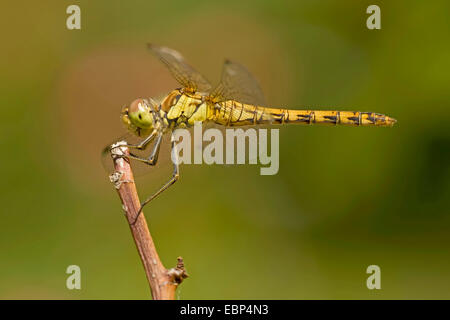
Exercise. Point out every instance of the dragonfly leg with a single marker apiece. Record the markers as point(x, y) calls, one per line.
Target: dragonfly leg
point(153, 158)
point(144, 143)
point(175, 177)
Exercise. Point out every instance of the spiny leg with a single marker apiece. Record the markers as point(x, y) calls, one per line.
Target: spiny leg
point(140, 146)
point(175, 176)
point(144, 143)
point(153, 158)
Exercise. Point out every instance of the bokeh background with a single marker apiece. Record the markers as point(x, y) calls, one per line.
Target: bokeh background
point(344, 198)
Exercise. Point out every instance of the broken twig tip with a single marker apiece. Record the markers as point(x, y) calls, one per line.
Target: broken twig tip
point(178, 274)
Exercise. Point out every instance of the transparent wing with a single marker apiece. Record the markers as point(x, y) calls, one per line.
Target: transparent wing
point(187, 76)
point(237, 83)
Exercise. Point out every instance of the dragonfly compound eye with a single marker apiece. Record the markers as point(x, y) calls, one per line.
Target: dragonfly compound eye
point(139, 114)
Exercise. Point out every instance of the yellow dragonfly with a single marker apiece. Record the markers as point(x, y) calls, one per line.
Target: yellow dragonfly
point(236, 101)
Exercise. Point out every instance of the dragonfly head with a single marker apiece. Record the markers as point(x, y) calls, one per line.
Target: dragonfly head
point(138, 117)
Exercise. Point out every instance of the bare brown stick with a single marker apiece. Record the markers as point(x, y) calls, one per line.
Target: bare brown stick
point(163, 282)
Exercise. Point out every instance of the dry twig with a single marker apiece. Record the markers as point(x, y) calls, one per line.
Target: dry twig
point(163, 282)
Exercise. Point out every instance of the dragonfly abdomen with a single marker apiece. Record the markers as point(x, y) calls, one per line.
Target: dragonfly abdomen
point(328, 117)
point(233, 113)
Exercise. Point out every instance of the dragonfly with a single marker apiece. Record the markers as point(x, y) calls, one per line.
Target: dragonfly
point(237, 100)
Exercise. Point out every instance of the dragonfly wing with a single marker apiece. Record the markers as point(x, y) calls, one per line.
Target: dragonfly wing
point(237, 83)
point(186, 75)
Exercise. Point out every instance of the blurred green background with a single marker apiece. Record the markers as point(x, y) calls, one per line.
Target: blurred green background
point(344, 198)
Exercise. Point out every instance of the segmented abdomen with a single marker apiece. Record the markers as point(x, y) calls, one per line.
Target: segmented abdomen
point(233, 113)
